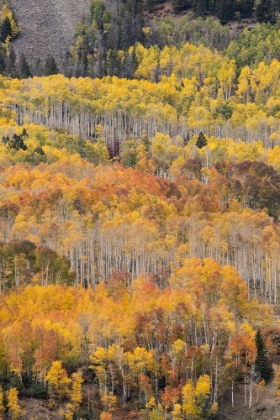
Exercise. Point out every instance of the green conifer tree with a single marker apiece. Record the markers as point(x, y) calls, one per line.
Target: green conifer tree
point(5, 28)
point(245, 8)
point(17, 143)
point(2, 60)
point(225, 10)
point(264, 11)
point(180, 5)
point(262, 365)
point(38, 68)
point(50, 66)
point(10, 63)
point(201, 141)
point(200, 7)
point(24, 70)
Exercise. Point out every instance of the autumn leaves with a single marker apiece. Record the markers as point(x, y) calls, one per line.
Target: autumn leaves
point(169, 350)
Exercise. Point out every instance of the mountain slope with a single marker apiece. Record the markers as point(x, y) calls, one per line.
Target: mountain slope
point(47, 27)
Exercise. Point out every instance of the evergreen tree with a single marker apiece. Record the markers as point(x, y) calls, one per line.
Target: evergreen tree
point(150, 5)
point(181, 5)
point(24, 133)
point(39, 150)
point(129, 65)
point(200, 7)
point(5, 29)
point(50, 66)
point(264, 11)
point(113, 63)
point(16, 142)
point(10, 63)
point(97, 12)
point(201, 141)
point(12, 55)
point(225, 10)
point(262, 365)
point(38, 68)
point(245, 8)
point(23, 67)
point(2, 60)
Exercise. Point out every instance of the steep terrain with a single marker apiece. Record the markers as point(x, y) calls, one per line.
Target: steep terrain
point(265, 406)
point(47, 27)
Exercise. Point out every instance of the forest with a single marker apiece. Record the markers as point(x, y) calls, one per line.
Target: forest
point(139, 216)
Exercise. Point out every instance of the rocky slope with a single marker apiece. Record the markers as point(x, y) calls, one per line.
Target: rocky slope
point(47, 27)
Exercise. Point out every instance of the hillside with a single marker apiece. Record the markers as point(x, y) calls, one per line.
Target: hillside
point(139, 211)
point(47, 27)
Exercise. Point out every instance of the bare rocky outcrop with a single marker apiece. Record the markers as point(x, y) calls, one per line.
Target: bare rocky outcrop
point(47, 27)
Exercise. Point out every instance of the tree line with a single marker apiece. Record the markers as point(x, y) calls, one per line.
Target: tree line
point(103, 44)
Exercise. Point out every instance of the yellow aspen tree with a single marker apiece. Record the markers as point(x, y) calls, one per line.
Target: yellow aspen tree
point(58, 380)
point(2, 408)
point(189, 408)
point(13, 405)
point(151, 403)
point(76, 394)
point(202, 392)
point(109, 400)
point(244, 84)
point(176, 412)
point(277, 383)
point(69, 413)
point(157, 413)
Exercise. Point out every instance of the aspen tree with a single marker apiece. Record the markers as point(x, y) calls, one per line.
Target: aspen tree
point(13, 405)
point(58, 380)
point(2, 408)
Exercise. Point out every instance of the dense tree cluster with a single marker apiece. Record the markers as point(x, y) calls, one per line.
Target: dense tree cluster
point(103, 44)
point(179, 91)
point(185, 215)
point(226, 10)
point(169, 350)
point(159, 318)
point(139, 215)
point(102, 47)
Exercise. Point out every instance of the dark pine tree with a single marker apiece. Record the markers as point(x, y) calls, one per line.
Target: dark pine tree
point(37, 70)
point(24, 134)
point(5, 29)
point(200, 7)
point(50, 66)
point(39, 150)
point(180, 5)
point(262, 365)
point(10, 63)
point(201, 141)
point(245, 8)
point(225, 10)
point(129, 65)
point(2, 60)
point(17, 143)
point(23, 67)
point(113, 63)
point(264, 11)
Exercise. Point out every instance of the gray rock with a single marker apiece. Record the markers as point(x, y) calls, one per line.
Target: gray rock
point(47, 27)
